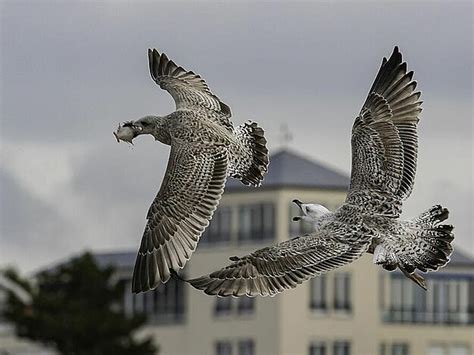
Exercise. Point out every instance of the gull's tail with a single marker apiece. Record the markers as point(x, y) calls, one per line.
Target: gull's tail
point(421, 243)
point(251, 168)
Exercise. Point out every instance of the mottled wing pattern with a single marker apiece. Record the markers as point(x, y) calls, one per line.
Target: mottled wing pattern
point(190, 192)
point(274, 269)
point(188, 89)
point(385, 142)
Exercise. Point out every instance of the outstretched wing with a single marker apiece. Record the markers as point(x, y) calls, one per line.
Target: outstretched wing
point(188, 89)
point(271, 270)
point(190, 192)
point(385, 142)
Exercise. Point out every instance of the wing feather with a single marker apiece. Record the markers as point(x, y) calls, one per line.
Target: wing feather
point(188, 89)
point(190, 192)
point(272, 270)
point(385, 141)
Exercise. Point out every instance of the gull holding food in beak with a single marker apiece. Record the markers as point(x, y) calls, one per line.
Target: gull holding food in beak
point(206, 148)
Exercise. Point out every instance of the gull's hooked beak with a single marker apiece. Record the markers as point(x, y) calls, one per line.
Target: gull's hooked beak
point(297, 202)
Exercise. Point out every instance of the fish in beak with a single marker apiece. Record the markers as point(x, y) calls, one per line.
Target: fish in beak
point(125, 133)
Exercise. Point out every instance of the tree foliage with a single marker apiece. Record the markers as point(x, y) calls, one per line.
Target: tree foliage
point(76, 308)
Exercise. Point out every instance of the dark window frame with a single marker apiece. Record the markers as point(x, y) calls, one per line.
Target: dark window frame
point(246, 347)
point(449, 300)
point(223, 347)
point(256, 222)
point(319, 305)
point(229, 306)
point(318, 348)
point(219, 230)
point(341, 345)
point(344, 304)
point(166, 304)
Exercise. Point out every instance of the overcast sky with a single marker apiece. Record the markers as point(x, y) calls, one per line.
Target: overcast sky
point(70, 72)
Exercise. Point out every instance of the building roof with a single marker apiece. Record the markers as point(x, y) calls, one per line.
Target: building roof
point(460, 258)
point(290, 169)
point(124, 259)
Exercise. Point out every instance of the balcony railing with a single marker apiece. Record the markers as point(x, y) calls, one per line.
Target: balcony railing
point(425, 317)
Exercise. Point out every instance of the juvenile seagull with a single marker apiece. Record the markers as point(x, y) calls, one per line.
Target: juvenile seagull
point(384, 151)
point(205, 150)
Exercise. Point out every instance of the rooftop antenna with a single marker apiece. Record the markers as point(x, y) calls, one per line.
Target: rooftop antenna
point(286, 137)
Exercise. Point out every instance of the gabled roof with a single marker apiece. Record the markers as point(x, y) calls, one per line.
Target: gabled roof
point(289, 169)
point(120, 259)
point(460, 258)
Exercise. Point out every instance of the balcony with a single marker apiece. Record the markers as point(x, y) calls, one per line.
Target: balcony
point(424, 317)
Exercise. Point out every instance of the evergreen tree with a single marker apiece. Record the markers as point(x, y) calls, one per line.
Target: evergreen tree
point(76, 308)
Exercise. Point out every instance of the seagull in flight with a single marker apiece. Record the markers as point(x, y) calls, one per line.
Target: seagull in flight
point(384, 154)
point(206, 148)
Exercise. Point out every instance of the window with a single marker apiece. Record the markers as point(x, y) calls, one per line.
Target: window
point(238, 306)
point(449, 349)
point(165, 304)
point(459, 349)
point(243, 347)
point(437, 349)
point(223, 348)
point(342, 348)
point(219, 229)
point(446, 301)
point(342, 292)
point(223, 306)
point(318, 348)
point(403, 298)
point(419, 304)
point(470, 302)
point(245, 305)
point(400, 349)
point(256, 222)
point(439, 302)
point(407, 299)
point(394, 349)
point(246, 347)
point(318, 289)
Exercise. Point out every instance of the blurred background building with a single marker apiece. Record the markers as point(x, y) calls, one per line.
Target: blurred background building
point(359, 309)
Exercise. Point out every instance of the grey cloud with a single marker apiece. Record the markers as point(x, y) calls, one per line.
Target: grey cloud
point(112, 173)
point(71, 70)
point(116, 184)
point(31, 230)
